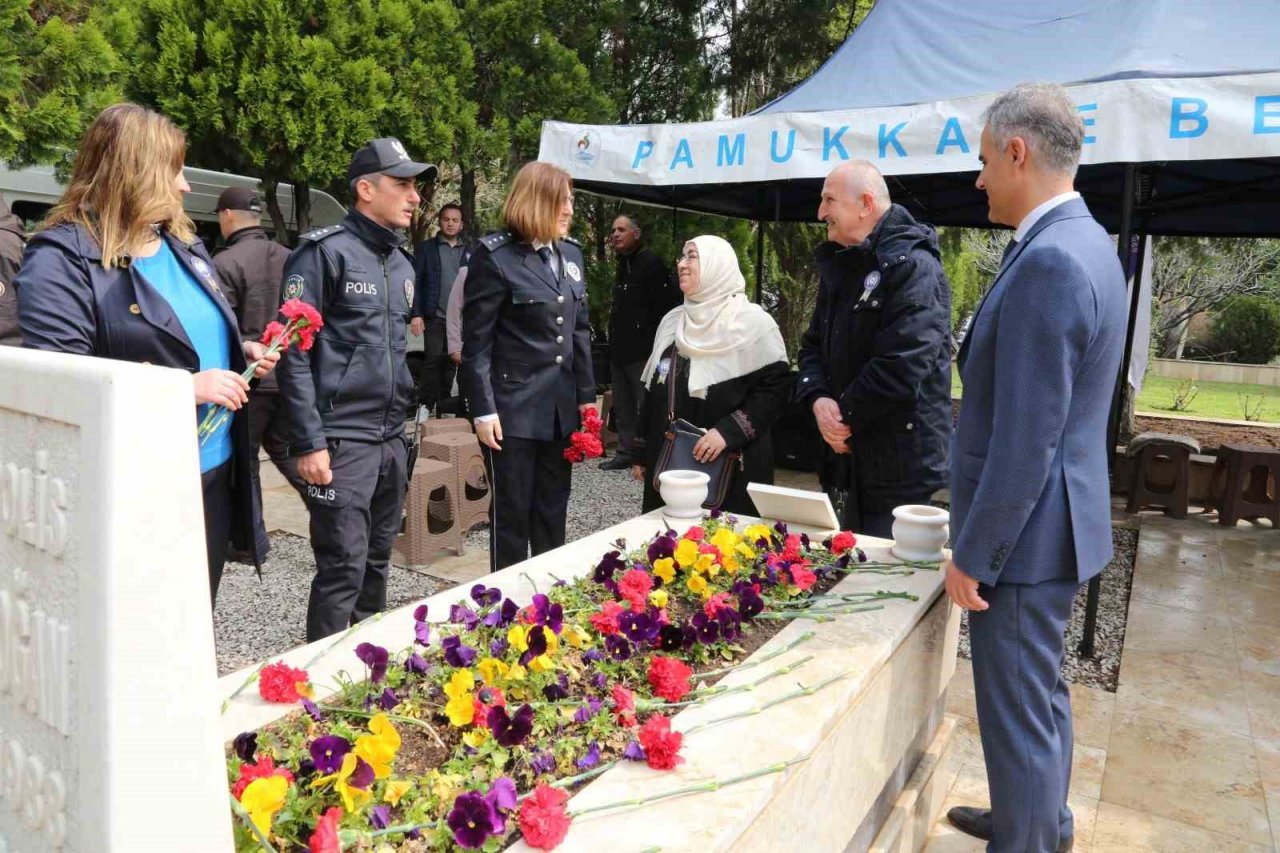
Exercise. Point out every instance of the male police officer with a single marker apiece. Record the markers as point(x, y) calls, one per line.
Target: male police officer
point(348, 397)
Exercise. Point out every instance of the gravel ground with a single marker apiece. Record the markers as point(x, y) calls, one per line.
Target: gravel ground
point(1103, 669)
point(255, 619)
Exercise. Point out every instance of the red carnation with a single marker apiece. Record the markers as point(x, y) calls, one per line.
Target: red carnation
point(624, 705)
point(791, 551)
point(661, 745)
point(325, 838)
point(544, 821)
point(669, 678)
point(635, 588)
point(264, 769)
point(843, 541)
point(278, 682)
point(695, 533)
point(606, 621)
point(275, 331)
point(802, 577)
point(714, 603)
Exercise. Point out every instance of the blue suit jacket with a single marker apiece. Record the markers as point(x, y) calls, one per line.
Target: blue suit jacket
point(1030, 490)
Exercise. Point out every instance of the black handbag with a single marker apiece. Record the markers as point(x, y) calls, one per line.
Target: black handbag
point(677, 452)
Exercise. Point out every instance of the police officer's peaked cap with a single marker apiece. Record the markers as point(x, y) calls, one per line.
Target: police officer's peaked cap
point(239, 198)
point(387, 156)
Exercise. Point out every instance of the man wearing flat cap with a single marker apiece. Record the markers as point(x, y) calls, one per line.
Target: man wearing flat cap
point(349, 396)
point(251, 265)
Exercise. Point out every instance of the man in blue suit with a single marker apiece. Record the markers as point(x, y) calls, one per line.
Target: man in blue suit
point(1030, 496)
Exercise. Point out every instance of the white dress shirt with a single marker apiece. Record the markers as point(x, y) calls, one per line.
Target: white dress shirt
point(1028, 222)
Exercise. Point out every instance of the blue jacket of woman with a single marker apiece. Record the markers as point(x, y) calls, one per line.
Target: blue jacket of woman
point(68, 302)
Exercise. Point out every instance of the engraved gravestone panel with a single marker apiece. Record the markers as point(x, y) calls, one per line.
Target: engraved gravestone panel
point(109, 724)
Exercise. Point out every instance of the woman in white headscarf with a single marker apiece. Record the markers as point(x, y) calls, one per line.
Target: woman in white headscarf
point(730, 371)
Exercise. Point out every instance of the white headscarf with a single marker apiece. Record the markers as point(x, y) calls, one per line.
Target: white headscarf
point(722, 332)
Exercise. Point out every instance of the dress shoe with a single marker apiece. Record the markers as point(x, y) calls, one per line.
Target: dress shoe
point(977, 822)
point(617, 463)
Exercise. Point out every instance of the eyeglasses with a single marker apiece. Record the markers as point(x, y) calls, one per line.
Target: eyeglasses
point(686, 257)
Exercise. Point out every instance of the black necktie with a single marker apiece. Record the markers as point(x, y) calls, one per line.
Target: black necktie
point(1008, 250)
point(545, 254)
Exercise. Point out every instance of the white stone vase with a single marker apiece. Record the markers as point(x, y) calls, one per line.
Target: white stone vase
point(920, 532)
point(683, 492)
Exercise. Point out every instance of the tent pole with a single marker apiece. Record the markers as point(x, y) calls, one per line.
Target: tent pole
point(759, 259)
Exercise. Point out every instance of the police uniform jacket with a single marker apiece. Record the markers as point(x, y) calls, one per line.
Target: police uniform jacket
point(526, 338)
point(879, 344)
point(251, 267)
point(354, 383)
point(68, 302)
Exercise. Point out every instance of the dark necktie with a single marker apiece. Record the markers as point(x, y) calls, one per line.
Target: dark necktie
point(1008, 250)
point(545, 254)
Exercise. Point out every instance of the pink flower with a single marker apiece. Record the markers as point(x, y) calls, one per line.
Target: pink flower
point(714, 603)
point(843, 541)
point(634, 587)
point(695, 533)
point(669, 677)
point(544, 821)
point(624, 705)
point(802, 577)
point(661, 745)
point(606, 621)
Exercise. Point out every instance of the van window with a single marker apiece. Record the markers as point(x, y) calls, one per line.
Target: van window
point(32, 213)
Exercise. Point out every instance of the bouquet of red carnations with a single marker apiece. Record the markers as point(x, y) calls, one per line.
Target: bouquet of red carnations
point(302, 322)
point(585, 443)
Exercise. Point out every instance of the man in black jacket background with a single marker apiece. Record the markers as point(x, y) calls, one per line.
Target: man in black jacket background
point(251, 266)
point(12, 244)
point(875, 363)
point(644, 291)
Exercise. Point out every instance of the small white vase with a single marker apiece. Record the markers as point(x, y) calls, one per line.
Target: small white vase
point(920, 532)
point(683, 492)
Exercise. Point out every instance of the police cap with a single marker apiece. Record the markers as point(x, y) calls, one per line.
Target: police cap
point(387, 155)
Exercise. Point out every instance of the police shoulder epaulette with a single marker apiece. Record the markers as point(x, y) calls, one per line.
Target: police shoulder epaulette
point(496, 240)
point(571, 240)
point(321, 233)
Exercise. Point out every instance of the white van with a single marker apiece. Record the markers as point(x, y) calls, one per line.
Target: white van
point(32, 191)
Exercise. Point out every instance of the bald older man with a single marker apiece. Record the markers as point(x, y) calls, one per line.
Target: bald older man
point(875, 363)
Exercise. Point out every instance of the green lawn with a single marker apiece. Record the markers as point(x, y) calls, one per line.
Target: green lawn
point(1212, 400)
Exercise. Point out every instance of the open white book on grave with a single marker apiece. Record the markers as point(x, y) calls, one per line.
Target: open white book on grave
point(794, 506)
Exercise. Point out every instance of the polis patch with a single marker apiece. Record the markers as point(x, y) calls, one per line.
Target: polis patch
point(408, 291)
point(293, 287)
point(571, 270)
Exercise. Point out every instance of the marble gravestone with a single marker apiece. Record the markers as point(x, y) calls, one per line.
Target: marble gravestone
point(109, 729)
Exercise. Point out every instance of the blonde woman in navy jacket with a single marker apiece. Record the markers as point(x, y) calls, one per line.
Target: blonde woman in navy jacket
point(118, 272)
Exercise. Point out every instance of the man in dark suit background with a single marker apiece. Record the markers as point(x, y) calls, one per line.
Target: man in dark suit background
point(526, 361)
point(1030, 502)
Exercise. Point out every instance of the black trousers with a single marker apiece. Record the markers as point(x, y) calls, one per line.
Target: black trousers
point(627, 385)
point(354, 523)
point(269, 428)
point(435, 382)
point(216, 487)
point(872, 522)
point(530, 483)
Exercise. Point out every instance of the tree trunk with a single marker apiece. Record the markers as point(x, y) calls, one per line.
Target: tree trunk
point(468, 200)
point(302, 205)
point(270, 189)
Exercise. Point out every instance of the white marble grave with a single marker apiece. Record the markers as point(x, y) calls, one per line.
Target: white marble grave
point(109, 735)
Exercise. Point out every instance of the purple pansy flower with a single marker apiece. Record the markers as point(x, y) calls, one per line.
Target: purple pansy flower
point(457, 654)
point(313, 711)
point(599, 681)
point(380, 817)
point(670, 638)
point(591, 759)
point(420, 613)
point(485, 596)
point(544, 763)
point(388, 700)
point(730, 623)
point(587, 711)
point(471, 820)
point(464, 615)
point(617, 646)
point(328, 751)
point(374, 657)
point(634, 752)
point(362, 777)
point(592, 656)
point(708, 629)
point(422, 633)
point(511, 731)
point(246, 744)
point(417, 664)
point(554, 692)
point(610, 563)
point(497, 646)
point(502, 796)
point(663, 546)
point(546, 613)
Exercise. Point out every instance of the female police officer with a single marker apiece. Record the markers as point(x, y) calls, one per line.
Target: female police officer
point(526, 361)
point(117, 272)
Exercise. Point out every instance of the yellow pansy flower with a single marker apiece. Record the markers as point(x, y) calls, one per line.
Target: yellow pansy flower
point(263, 798)
point(731, 564)
point(658, 598)
point(379, 749)
point(725, 540)
point(707, 563)
point(460, 707)
point(746, 550)
point(444, 785)
point(516, 672)
point(686, 553)
point(518, 637)
point(353, 798)
point(665, 568)
point(461, 683)
point(756, 532)
point(475, 738)
point(492, 669)
point(396, 789)
point(697, 585)
point(576, 637)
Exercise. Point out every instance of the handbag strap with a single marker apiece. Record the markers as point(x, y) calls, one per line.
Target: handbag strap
point(671, 384)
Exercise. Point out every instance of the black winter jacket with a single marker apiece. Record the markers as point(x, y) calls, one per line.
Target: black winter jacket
point(354, 383)
point(251, 267)
point(11, 245)
point(879, 344)
point(644, 290)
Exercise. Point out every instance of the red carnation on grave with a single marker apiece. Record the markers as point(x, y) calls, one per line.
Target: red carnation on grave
point(791, 550)
point(544, 821)
point(325, 838)
point(714, 603)
point(279, 682)
point(606, 621)
point(661, 745)
point(624, 706)
point(843, 541)
point(695, 534)
point(669, 677)
point(801, 576)
point(264, 769)
point(585, 443)
point(634, 587)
